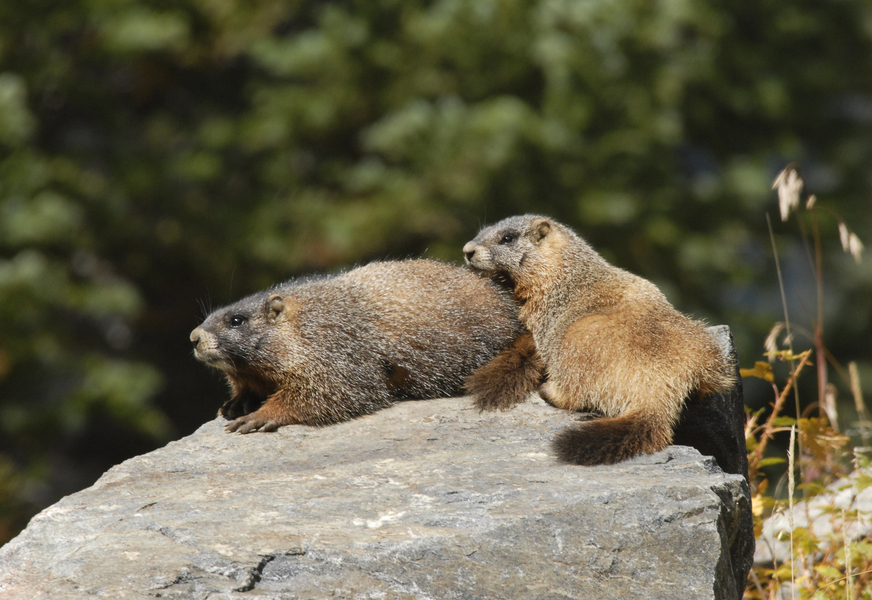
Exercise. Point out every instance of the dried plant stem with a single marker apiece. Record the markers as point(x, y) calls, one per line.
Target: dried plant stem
point(783, 301)
point(780, 286)
point(791, 487)
point(849, 585)
point(820, 349)
point(862, 413)
point(756, 581)
point(769, 427)
point(786, 315)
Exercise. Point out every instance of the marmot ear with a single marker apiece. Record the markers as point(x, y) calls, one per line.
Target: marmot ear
point(275, 307)
point(540, 230)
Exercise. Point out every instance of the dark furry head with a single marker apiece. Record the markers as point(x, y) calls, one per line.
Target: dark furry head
point(503, 248)
point(235, 336)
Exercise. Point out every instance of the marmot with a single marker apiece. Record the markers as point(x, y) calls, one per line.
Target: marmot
point(322, 350)
point(611, 343)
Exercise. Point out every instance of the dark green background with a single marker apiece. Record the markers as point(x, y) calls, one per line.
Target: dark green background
point(161, 158)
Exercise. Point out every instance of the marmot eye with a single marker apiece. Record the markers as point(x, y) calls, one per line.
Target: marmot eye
point(237, 321)
point(508, 238)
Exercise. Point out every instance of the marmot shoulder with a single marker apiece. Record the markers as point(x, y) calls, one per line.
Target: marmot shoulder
point(323, 350)
point(611, 343)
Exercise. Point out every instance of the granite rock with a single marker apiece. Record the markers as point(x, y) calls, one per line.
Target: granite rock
point(427, 499)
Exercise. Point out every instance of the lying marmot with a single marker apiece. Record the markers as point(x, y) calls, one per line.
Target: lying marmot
point(324, 350)
point(610, 341)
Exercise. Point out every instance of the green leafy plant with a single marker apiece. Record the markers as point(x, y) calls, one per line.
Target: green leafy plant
point(817, 535)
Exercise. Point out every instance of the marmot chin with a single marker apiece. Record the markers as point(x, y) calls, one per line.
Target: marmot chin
point(611, 343)
point(323, 350)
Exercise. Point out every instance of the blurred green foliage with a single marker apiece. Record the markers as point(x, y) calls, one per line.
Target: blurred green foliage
point(155, 155)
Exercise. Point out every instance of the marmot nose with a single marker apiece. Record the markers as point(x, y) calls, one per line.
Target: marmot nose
point(469, 251)
point(195, 337)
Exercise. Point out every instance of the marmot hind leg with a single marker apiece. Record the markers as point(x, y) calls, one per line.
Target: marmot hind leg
point(509, 378)
point(548, 392)
point(611, 440)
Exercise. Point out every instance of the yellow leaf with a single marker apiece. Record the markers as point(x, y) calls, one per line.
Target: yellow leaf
point(829, 571)
point(819, 438)
point(787, 355)
point(762, 370)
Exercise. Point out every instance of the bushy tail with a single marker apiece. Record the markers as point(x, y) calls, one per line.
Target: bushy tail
point(509, 378)
point(611, 440)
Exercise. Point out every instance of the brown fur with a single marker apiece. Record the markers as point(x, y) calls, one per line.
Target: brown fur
point(509, 378)
point(610, 341)
point(325, 350)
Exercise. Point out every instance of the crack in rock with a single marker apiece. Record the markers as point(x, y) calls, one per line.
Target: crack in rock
point(255, 574)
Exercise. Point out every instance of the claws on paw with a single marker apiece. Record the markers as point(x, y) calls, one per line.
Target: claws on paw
point(250, 423)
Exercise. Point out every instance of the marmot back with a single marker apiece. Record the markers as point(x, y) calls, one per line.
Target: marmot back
point(319, 351)
point(611, 343)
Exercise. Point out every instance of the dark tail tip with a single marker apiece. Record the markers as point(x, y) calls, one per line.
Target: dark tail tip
point(607, 441)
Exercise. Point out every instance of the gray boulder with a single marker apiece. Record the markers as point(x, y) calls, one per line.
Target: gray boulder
point(427, 499)
point(423, 500)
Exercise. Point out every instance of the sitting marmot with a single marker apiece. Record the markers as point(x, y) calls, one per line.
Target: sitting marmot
point(323, 350)
point(611, 343)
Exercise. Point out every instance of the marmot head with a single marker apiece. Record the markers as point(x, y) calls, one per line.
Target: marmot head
point(242, 334)
point(522, 248)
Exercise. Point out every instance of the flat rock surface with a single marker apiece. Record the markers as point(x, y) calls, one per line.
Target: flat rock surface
point(427, 499)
